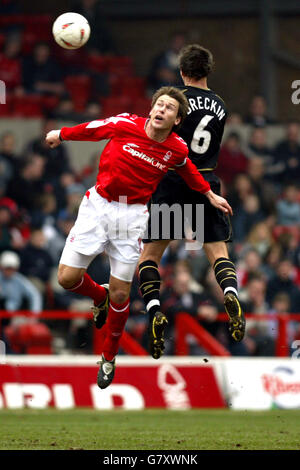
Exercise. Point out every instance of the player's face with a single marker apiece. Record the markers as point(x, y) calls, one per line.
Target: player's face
point(163, 115)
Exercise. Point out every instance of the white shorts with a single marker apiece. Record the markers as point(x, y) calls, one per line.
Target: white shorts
point(114, 227)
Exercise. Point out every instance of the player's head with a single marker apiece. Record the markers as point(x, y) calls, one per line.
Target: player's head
point(195, 61)
point(175, 99)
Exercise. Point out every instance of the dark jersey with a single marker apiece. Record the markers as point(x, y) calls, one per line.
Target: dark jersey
point(203, 128)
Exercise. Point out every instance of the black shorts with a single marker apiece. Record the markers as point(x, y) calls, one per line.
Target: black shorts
point(217, 226)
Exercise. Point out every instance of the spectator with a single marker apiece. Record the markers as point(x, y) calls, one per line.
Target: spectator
point(8, 150)
point(10, 65)
point(44, 216)
point(26, 188)
point(286, 161)
point(15, 289)
point(36, 262)
point(271, 260)
point(288, 208)
point(283, 281)
point(179, 298)
point(9, 7)
point(258, 338)
point(265, 190)
point(10, 237)
point(101, 40)
point(260, 238)
point(41, 73)
point(248, 266)
point(74, 195)
point(234, 119)
point(57, 240)
point(258, 147)
point(232, 160)
point(258, 114)
point(246, 217)
point(281, 305)
point(56, 160)
point(65, 110)
point(89, 172)
point(164, 68)
point(239, 190)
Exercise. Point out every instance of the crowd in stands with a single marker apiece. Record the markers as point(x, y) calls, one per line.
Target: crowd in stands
point(40, 193)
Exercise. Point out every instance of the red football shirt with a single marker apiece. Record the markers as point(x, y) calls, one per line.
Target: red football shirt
point(131, 163)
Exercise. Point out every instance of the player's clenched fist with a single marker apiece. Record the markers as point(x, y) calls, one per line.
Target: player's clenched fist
point(52, 139)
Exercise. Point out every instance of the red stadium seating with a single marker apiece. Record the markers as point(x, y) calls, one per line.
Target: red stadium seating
point(97, 63)
point(120, 65)
point(27, 106)
point(29, 338)
point(79, 87)
point(141, 106)
point(115, 105)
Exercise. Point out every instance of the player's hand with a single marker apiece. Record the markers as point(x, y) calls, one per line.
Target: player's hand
point(52, 139)
point(219, 202)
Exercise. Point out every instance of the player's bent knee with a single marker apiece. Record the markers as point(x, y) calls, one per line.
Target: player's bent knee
point(119, 296)
point(68, 278)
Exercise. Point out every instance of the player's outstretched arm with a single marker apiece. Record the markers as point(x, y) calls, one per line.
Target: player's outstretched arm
point(219, 202)
point(52, 139)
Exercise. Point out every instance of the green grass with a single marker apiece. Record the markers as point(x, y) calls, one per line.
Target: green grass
point(149, 429)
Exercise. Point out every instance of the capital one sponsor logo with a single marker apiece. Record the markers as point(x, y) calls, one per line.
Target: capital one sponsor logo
point(128, 148)
point(283, 386)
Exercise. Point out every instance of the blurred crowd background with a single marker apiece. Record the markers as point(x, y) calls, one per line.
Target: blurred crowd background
point(41, 188)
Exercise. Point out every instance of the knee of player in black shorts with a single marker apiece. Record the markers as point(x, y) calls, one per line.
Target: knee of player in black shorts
point(226, 275)
point(149, 279)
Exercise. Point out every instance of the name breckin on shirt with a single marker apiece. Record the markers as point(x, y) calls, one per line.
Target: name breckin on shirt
point(206, 103)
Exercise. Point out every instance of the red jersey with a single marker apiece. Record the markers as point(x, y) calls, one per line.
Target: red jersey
point(131, 163)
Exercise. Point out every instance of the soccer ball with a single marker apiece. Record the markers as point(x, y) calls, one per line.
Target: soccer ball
point(71, 30)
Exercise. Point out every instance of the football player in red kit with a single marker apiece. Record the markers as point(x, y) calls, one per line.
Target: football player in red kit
point(113, 214)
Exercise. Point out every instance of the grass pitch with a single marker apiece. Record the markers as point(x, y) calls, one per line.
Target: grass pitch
point(149, 430)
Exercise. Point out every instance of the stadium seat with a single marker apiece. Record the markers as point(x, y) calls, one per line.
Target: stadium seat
point(120, 65)
point(29, 338)
point(133, 87)
point(6, 109)
point(49, 102)
point(2, 40)
point(79, 87)
point(293, 230)
point(97, 63)
point(141, 106)
point(115, 105)
point(27, 106)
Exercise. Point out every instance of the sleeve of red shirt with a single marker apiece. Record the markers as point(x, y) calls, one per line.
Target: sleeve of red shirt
point(189, 172)
point(90, 131)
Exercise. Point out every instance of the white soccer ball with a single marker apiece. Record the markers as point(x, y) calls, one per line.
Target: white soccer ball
point(71, 30)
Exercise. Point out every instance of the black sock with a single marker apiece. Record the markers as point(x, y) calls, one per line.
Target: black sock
point(150, 286)
point(226, 275)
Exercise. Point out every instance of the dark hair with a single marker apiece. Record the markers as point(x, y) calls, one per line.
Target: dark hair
point(178, 96)
point(195, 61)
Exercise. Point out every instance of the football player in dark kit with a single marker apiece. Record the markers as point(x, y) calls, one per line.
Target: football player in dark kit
point(202, 130)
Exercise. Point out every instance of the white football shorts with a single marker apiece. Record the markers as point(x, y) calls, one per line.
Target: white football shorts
point(114, 227)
